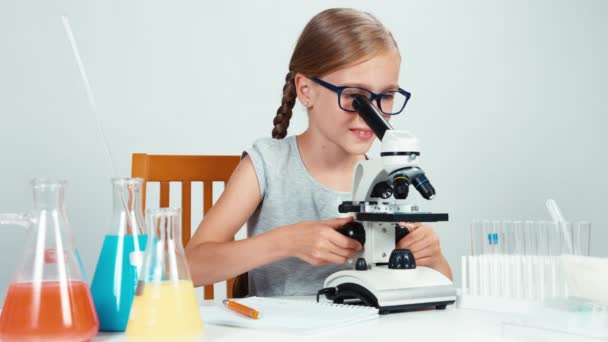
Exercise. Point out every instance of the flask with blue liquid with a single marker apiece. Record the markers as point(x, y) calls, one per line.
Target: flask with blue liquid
point(121, 257)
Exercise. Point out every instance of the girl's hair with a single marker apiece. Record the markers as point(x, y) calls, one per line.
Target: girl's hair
point(331, 40)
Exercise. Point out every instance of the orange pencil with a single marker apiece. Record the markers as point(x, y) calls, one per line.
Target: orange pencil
point(242, 309)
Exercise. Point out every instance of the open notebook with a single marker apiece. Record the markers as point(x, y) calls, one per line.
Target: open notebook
point(289, 315)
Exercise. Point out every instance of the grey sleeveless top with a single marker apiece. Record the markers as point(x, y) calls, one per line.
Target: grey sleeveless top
point(289, 194)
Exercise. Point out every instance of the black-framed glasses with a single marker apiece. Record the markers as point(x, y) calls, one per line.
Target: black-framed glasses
point(390, 102)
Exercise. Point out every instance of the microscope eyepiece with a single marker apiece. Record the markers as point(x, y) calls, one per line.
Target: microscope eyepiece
point(372, 117)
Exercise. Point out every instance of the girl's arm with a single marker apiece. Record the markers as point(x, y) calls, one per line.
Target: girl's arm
point(211, 253)
point(213, 256)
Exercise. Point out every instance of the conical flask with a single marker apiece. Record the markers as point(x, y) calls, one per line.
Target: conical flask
point(165, 305)
point(121, 256)
point(48, 299)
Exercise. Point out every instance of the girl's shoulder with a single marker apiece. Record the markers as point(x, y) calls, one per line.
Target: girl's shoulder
point(272, 160)
point(271, 150)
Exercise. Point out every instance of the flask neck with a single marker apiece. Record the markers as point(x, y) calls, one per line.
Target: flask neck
point(48, 195)
point(168, 234)
point(127, 206)
point(165, 258)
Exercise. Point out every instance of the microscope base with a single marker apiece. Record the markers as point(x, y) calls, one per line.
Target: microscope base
point(390, 290)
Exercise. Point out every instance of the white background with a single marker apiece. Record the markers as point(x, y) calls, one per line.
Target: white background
point(509, 100)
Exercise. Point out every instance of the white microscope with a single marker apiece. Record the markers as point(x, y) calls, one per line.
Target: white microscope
point(386, 277)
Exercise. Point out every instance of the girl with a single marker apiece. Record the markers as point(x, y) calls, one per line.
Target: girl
point(288, 189)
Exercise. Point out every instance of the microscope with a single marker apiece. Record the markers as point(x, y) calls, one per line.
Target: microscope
point(383, 276)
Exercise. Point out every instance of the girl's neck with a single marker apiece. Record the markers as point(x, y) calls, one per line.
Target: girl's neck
point(326, 161)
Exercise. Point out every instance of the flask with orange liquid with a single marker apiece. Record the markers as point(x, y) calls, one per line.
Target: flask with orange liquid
point(48, 299)
point(165, 305)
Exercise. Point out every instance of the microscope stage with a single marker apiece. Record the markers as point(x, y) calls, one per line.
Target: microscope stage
point(402, 217)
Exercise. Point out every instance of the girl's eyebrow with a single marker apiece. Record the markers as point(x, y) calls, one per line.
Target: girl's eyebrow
point(361, 85)
point(392, 87)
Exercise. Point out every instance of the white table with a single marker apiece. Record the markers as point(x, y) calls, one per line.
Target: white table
point(432, 325)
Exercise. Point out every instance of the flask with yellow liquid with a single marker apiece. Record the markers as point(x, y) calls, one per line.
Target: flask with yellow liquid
point(165, 305)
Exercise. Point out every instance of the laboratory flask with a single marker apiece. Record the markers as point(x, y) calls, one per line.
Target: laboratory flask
point(48, 298)
point(165, 305)
point(121, 256)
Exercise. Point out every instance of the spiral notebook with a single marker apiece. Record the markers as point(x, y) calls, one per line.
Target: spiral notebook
point(289, 315)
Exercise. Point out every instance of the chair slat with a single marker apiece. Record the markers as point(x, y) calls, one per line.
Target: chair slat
point(209, 292)
point(186, 208)
point(207, 196)
point(164, 194)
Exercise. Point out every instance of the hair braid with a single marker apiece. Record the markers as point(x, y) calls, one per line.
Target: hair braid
point(281, 120)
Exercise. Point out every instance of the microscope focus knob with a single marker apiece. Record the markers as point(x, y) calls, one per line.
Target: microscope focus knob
point(400, 232)
point(361, 265)
point(401, 259)
point(353, 230)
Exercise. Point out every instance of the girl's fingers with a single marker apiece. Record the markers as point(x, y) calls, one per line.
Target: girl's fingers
point(343, 252)
point(426, 262)
point(427, 242)
point(337, 222)
point(429, 252)
point(411, 226)
point(343, 241)
point(411, 238)
point(335, 258)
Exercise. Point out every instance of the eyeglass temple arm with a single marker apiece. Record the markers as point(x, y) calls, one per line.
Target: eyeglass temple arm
point(372, 117)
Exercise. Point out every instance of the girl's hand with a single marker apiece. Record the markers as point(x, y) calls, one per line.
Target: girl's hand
point(318, 242)
point(424, 243)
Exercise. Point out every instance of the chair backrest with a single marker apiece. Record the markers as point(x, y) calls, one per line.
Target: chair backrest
point(185, 169)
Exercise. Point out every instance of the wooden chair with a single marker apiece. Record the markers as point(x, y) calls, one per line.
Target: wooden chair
point(187, 169)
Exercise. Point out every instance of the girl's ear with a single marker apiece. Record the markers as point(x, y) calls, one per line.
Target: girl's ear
point(304, 90)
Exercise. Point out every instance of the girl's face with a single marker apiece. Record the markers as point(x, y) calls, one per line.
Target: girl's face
point(347, 129)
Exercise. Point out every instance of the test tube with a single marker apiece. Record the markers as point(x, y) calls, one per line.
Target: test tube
point(519, 250)
point(508, 232)
point(497, 237)
point(477, 238)
point(539, 259)
point(486, 228)
point(508, 279)
point(465, 275)
point(530, 238)
point(565, 237)
point(581, 237)
point(518, 276)
point(545, 260)
point(519, 238)
point(484, 275)
point(473, 269)
point(495, 270)
point(554, 244)
point(553, 238)
point(541, 237)
point(529, 279)
point(505, 276)
point(542, 279)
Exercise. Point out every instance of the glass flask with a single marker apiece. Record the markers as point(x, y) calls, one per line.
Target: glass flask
point(48, 299)
point(165, 305)
point(121, 256)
